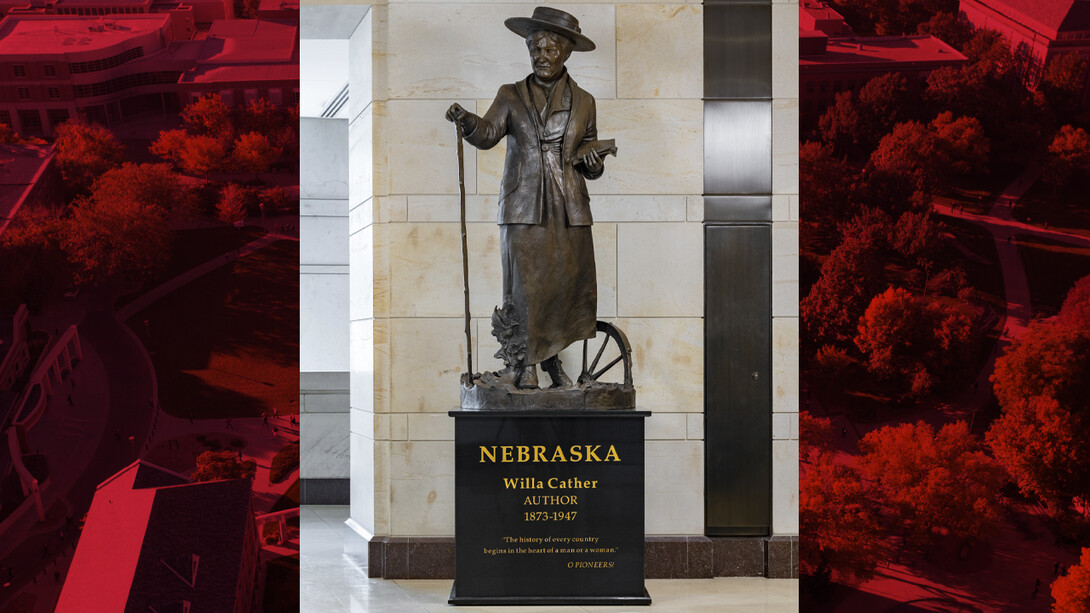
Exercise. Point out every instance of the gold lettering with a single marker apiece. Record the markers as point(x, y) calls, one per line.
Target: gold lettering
point(539, 453)
point(559, 453)
point(506, 450)
point(592, 454)
point(491, 455)
point(576, 453)
point(524, 453)
point(612, 454)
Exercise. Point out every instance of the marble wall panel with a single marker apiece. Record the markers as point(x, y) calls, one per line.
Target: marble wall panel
point(323, 158)
point(660, 147)
point(638, 208)
point(674, 501)
point(323, 445)
point(323, 321)
point(694, 426)
point(667, 362)
point(422, 487)
point(785, 50)
point(422, 148)
point(785, 487)
point(665, 426)
point(785, 146)
point(427, 357)
point(660, 270)
point(362, 364)
point(430, 426)
point(427, 207)
point(362, 484)
point(660, 50)
point(360, 66)
point(785, 364)
point(464, 50)
point(785, 269)
point(323, 240)
point(694, 208)
point(361, 147)
point(361, 262)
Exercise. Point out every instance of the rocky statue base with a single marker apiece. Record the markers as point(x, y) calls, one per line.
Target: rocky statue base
point(608, 352)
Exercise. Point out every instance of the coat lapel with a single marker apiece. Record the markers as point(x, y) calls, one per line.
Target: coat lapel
point(523, 88)
point(576, 121)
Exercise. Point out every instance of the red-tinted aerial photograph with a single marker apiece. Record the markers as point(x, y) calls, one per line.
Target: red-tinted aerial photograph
point(149, 455)
point(945, 266)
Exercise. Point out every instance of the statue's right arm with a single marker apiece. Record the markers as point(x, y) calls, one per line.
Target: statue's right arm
point(486, 131)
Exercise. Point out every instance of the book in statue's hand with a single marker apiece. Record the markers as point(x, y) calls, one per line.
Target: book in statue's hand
point(601, 147)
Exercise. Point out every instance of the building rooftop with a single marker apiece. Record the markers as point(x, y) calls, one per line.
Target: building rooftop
point(242, 50)
point(152, 538)
point(83, 3)
point(54, 34)
point(278, 5)
point(1046, 16)
point(883, 50)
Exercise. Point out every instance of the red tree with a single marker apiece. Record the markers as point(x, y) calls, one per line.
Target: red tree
point(1043, 446)
point(1064, 81)
point(1071, 592)
point(232, 204)
point(1042, 383)
point(254, 153)
point(838, 515)
point(169, 145)
point(84, 152)
point(121, 241)
point(209, 116)
point(815, 436)
point(823, 179)
point(203, 155)
point(914, 341)
point(850, 277)
point(1069, 151)
point(934, 481)
point(152, 184)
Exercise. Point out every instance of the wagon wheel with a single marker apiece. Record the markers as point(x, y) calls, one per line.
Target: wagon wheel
point(614, 346)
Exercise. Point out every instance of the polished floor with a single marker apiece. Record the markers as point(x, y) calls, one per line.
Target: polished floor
point(333, 579)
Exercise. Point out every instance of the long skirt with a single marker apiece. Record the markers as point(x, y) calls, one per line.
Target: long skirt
point(549, 278)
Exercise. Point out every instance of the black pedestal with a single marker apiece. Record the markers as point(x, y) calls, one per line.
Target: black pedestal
point(549, 507)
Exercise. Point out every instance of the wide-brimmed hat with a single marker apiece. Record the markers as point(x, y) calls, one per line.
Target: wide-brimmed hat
point(551, 20)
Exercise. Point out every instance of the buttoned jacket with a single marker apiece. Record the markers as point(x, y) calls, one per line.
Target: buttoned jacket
point(522, 189)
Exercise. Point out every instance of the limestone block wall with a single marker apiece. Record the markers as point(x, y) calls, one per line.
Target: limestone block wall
point(785, 267)
point(406, 333)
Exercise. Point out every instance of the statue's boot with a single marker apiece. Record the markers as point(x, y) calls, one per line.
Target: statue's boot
point(556, 372)
point(526, 377)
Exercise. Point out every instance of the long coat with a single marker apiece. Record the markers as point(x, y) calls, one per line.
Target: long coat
point(512, 114)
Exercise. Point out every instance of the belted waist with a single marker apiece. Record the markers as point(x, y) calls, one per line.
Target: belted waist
point(554, 146)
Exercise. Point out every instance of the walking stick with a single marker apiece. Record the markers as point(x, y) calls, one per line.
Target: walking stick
point(467, 379)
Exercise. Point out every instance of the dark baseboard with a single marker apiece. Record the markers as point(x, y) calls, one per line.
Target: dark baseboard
point(666, 557)
point(324, 491)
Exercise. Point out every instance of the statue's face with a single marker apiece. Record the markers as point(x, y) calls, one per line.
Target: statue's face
point(548, 51)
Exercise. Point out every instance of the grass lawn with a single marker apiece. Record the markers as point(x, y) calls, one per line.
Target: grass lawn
point(1065, 211)
point(194, 247)
point(227, 344)
point(1051, 269)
